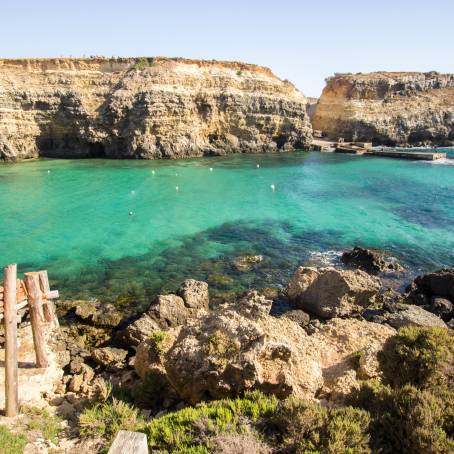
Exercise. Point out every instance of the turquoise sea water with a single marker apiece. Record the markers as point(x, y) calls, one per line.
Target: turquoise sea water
point(113, 228)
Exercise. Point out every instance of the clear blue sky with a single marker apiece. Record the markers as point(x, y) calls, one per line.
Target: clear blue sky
point(303, 41)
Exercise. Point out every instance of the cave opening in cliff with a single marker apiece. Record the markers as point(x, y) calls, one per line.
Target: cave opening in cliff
point(96, 150)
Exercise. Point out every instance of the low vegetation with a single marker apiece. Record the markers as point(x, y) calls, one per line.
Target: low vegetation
point(143, 63)
point(410, 411)
point(11, 443)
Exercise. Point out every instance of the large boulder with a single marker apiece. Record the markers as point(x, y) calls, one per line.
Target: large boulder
point(370, 260)
point(240, 347)
point(329, 292)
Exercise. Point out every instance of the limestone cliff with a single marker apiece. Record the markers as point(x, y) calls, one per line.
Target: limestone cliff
point(388, 108)
point(145, 108)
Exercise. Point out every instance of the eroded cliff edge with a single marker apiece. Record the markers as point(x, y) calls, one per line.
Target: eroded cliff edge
point(146, 108)
point(388, 108)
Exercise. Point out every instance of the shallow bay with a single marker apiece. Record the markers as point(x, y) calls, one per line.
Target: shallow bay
point(132, 228)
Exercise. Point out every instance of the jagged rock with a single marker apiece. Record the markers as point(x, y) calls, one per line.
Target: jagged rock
point(439, 283)
point(239, 346)
point(109, 357)
point(370, 260)
point(298, 316)
point(168, 311)
point(147, 109)
point(138, 331)
point(194, 294)
point(81, 381)
point(441, 307)
point(328, 292)
point(411, 315)
point(247, 262)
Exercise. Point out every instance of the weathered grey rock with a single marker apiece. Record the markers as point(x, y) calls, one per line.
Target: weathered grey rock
point(370, 260)
point(194, 294)
point(411, 315)
point(110, 357)
point(329, 292)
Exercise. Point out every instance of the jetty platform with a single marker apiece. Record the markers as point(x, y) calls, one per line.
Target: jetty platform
point(416, 155)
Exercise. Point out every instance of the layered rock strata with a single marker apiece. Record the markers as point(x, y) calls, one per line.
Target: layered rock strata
point(146, 108)
point(388, 108)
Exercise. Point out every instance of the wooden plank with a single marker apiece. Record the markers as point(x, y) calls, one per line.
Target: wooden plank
point(129, 443)
point(35, 302)
point(10, 323)
point(48, 306)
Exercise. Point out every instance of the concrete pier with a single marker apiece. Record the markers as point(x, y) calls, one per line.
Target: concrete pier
point(416, 155)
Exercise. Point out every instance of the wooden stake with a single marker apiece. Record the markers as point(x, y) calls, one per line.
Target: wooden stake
point(48, 306)
point(10, 321)
point(35, 302)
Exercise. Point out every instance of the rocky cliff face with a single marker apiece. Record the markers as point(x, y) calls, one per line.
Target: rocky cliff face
point(146, 108)
point(388, 108)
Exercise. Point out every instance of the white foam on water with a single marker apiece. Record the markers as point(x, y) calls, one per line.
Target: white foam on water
point(325, 258)
point(441, 162)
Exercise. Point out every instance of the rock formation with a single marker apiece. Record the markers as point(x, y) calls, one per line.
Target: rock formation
point(388, 108)
point(240, 346)
point(328, 292)
point(146, 108)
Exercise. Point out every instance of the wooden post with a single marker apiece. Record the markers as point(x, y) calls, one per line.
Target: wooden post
point(10, 321)
point(35, 302)
point(48, 306)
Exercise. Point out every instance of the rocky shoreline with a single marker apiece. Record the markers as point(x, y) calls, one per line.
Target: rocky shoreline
point(321, 340)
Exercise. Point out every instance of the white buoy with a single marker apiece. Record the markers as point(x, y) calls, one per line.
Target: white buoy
point(152, 172)
point(131, 213)
point(273, 187)
point(211, 169)
point(258, 166)
point(176, 174)
point(177, 188)
point(133, 192)
point(48, 171)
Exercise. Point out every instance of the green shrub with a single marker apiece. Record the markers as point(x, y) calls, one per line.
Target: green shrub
point(422, 357)
point(407, 419)
point(105, 419)
point(190, 429)
point(157, 342)
point(11, 443)
point(307, 427)
point(143, 63)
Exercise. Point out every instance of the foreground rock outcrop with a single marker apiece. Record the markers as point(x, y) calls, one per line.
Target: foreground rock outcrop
point(239, 347)
point(146, 108)
point(388, 108)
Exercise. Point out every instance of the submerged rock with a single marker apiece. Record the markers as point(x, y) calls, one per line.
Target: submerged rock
point(247, 262)
point(370, 260)
point(329, 292)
